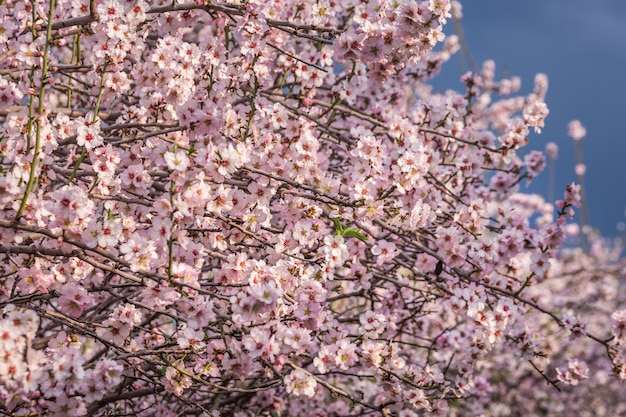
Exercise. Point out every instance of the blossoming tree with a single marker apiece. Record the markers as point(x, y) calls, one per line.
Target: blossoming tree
point(248, 208)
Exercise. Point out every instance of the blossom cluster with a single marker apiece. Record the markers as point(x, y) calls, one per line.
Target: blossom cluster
point(249, 208)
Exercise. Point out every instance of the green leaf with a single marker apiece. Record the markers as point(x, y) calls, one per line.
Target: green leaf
point(348, 232)
point(351, 232)
point(338, 227)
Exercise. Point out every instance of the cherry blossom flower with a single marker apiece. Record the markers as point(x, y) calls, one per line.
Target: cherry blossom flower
point(185, 192)
point(111, 231)
point(535, 163)
point(345, 356)
point(324, 360)
point(190, 338)
point(384, 250)
point(74, 300)
point(176, 381)
point(552, 150)
point(178, 161)
point(576, 372)
point(372, 324)
point(107, 373)
point(300, 382)
point(618, 325)
point(576, 130)
point(535, 113)
point(88, 135)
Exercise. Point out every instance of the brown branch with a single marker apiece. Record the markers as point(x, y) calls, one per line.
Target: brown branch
point(47, 233)
point(80, 20)
point(36, 250)
point(96, 405)
point(61, 110)
point(301, 186)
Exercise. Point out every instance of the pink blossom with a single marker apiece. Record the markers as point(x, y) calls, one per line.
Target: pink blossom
point(552, 150)
point(297, 338)
point(384, 250)
point(300, 382)
point(88, 135)
point(69, 406)
point(203, 203)
point(345, 356)
point(535, 163)
point(176, 381)
point(324, 361)
point(107, 373)
point(74, 300)
point(535, 113)
point(110, 233)
point(190, 338)
point(572, 195)
point(266, 292)
point(577, 371)
point(178, 161)
point(372, 324)
point(618, 325)
point(576, 130)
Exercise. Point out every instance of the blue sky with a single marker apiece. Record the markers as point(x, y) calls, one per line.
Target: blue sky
point(581, 46)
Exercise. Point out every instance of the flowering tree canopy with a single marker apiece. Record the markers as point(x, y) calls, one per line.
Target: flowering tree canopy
point(249, 208)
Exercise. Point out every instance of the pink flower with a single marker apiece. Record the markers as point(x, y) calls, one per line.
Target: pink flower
point(540, 263)
point(324, 361)
point(300, 382)
point(574, 324)
point(110, 233)
point(373, 352)
point(572, 195)
point(190, 338)
point(298, 338)
point(88, 135)
point(266, 292)
point(348, 46)
point(416, 398)
point(114, 332)
point(373, 49)
point(346, 354)
point(576, 372)
point(221, 200)
point(74, 299)
point(335, 250)
point(618, 325)
point(372, 324)
point(119, 325)
point(385, 251)
point(552, 150)
point(110, 9)
point(261, 344)
point(535, 163)
point(71, 207)
point(136, 176)
point(576, 130)
point(178, 161)
point(502, 182)
point(175, 380)
point(535, 113)
point(68, 406)
point(107, 373)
